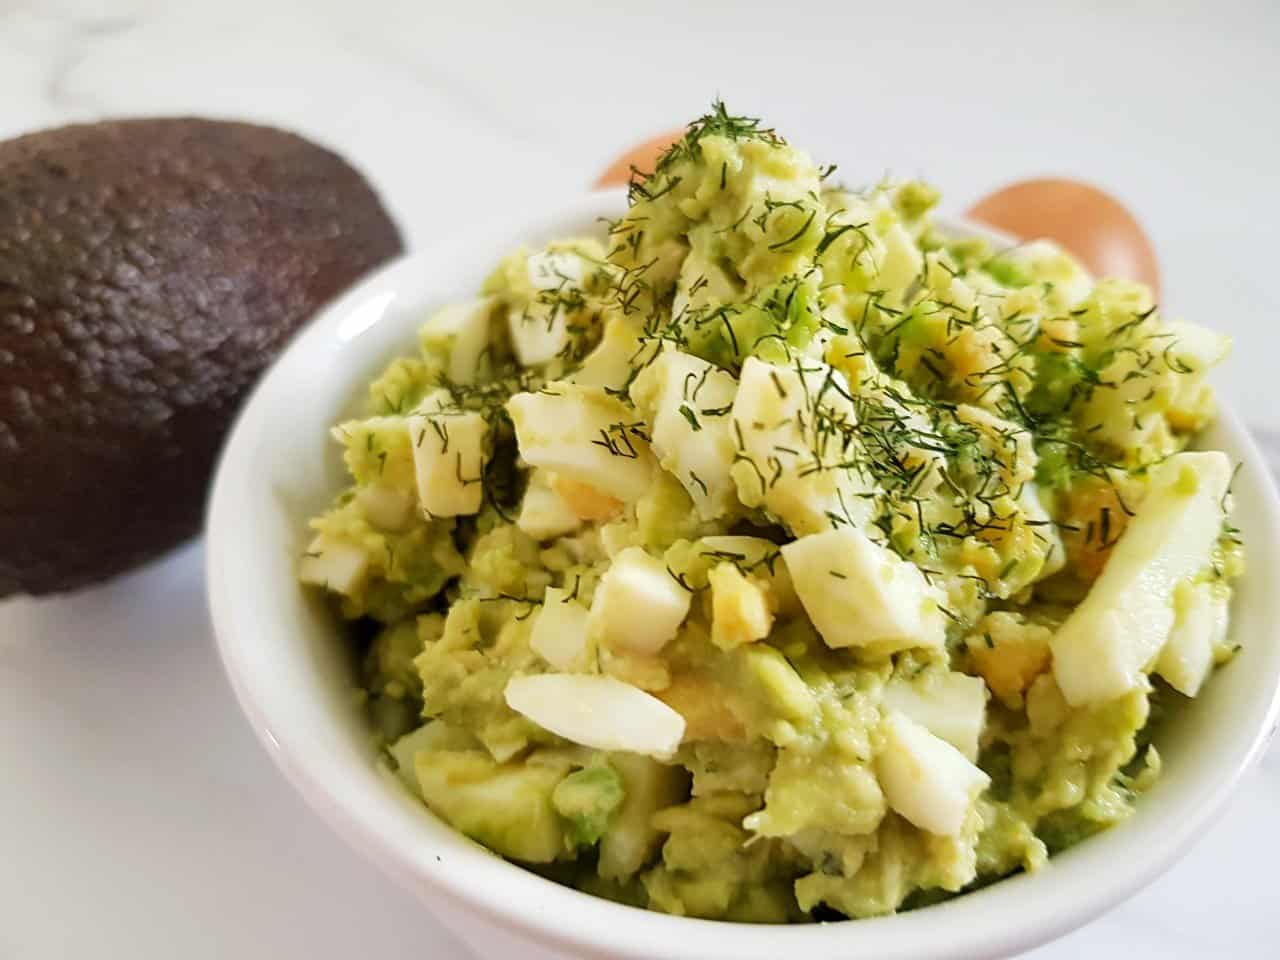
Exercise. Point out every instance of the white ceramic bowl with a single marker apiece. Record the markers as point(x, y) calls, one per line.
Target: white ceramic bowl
point(290, 668)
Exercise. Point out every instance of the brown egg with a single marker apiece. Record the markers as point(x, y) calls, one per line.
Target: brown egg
point(1086, 221)
point(642, 157)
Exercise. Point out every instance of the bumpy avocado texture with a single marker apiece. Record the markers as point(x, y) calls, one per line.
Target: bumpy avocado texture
point(149, 270)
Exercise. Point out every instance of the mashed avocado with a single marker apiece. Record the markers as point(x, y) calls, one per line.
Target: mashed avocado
point(779, 553)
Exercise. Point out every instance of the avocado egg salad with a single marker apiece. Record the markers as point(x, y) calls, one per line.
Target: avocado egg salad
point(776, 555)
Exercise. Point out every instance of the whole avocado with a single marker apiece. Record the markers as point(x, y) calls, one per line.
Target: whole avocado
point(149, 270)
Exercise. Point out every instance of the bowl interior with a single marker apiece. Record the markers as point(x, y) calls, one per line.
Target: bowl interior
point(293, 673)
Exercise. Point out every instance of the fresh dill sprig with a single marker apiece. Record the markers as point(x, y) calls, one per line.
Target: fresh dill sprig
point(717, 122)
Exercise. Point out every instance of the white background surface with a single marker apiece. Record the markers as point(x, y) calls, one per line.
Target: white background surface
point(138, 818)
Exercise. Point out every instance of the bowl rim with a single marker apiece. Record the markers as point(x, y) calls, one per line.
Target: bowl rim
point(522, 902)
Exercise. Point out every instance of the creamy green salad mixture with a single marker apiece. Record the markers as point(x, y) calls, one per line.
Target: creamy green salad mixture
point(776, 555)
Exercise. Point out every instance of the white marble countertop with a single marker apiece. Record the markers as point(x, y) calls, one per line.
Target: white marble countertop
point(199, 848)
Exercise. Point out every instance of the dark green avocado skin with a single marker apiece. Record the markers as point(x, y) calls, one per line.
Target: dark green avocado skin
point(149, 270)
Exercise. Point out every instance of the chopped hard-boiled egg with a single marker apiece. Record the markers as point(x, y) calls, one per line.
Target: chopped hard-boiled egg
point(1009, 653)
point(762, 559)
point(449, 457)
point(925, 778)
point(464, 329)
point(860, 594)
point(638, 606)
point(949, 705)
point(541, 331)
point(544, 514)
point(687, 400)
point(739, 607)
point(793, 429)
point(537, 339)
point(585, 434)
point(1197, 348)
point(334, 564)
point(1200, 624)
point(1116, 632)
point(597, 711)
point(586, 502)
point(613, 362)
point(554, 269)
point(559, 633)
